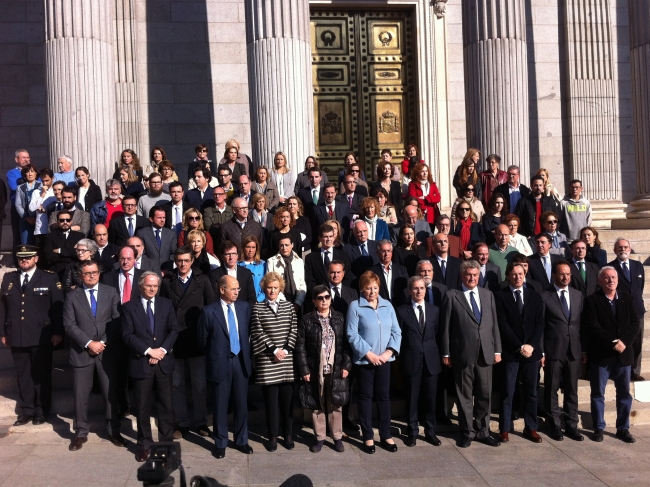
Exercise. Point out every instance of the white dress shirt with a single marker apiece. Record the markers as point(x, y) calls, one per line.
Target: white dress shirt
point(187, 277)
point(466, 292)
point(29, 273)
point(330, 254)
point(521, 293)
point(388, 277)
point(559, 290)
point(232, 272)
point(417, 311)
point(311, 192)
point(177, 210)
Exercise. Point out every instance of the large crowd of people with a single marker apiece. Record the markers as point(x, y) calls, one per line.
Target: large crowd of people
point(315, 287)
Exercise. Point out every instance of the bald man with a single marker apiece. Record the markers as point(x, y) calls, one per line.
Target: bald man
point(106, 255)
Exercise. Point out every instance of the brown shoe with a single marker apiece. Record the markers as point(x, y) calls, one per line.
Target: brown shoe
point(142, 456)
point(503, 437)
point(117, 440)
point(77, 442)
point(532, 436)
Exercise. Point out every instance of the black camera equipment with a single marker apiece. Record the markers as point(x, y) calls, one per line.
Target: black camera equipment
point(164, 458)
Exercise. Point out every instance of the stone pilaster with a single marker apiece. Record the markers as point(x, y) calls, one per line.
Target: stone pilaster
point(639, 13)
point(496, 79)
point(80, 80)
point(280, 82)
point(592, 100)
point(126, 83)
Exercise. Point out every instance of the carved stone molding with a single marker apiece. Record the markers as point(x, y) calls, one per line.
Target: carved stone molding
point(440, 8)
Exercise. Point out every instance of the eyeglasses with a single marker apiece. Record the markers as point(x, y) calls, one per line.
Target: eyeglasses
point(552, 222)
point(325, 297)
point(202, 150)
point(90, 273)
point(62, 220)
point(194, 218)
point(463, 209)
point(82, 250)
point(354, 170)
point(230, 254)
point(468, 190)
point(129, 205)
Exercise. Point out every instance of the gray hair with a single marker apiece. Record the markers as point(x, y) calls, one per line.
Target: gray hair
point(607, 268)
point(17, 153)
point(622, 238)
point(89, 244)
point(383, 242)
point(469, 264)
point(67, 158)
point(421, 263)
point(413, 280)
point(112, 182)
point(146, 274)
point(510, 168)
point(359, 220)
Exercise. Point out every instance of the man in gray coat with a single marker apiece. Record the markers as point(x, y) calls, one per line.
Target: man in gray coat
point(91, 321)
point(472, 344)
point(159, 242)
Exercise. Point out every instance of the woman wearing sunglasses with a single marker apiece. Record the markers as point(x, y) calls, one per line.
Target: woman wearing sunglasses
point(362, 187)
point(469, 195)
point(192, 220)
point(467, 228)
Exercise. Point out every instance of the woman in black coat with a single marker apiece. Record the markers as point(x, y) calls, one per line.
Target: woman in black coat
point(322, 358)
point(93, 191)
point(385, 173)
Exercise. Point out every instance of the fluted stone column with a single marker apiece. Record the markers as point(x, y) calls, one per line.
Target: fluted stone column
point(126, 84)
point(496, 79)
point(280, 82)
point(640, 63)
point(593, 119)
point(80, 80)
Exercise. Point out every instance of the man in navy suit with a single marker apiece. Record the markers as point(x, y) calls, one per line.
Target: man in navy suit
point(393, 277)
point(446, 269)
point(362, 252)
point(124, 226)
point(201, 196)
point(541, 263)
point(631, 278)
point(350, 197)
point(420, 361)
point(224, 335)
point(149, 329)
point(333, 210)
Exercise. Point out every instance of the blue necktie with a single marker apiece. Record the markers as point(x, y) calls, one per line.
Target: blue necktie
point(93, 302)
point(158, 242)
point(314, 197)
point(565, 305)
point(179, 224)
point(626, 271)
point(150, 316)
point(364, 252)
point(429, 295)
point(547, 267)
point(443, 269)
point(235, 347)
point(130, 226)
point(475, 310)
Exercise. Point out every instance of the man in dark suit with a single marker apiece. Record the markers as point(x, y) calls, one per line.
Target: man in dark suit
point(332, 210)
point(610, 327)
point(361, 252)
point(106, 255)
point(350, 197)
point(31, 305)
point(529, 282)
point(631, 279)
point(91, 321)
point(317, 263)
point(149, 328)
point(176, 208)
point(520, 312)
point(443, 225)
point(201, 196)
point(490, 276)
point(240, 226)
point(471, 345)
point(530, 208)
point(512, 190)
point(59, 244)
point(228, 256)
point(142, 262)
point(127, 225)
point(584, 274)
point(446, 269)
point(243, 191)
point(393, 278)
point(420, 359)
point(189, 291)
point(563, 351)
point(224, 336)
point(540, 264)
point(159, 242)
point(313, 195)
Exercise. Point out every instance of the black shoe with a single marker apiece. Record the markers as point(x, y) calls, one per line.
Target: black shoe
point(203, 430)
point(122, 413)
point(77, 442)
point(180, 432)
point(117, 440)
point(443, 420)
point(515, 415)
point(464, 442)
point(390, 447)
point(597, 436)
point(433, 439)
point(625, 436)
point(573, 434)
point(220, 453)
point(38, 419)
point(272, 445)
point(350, 424)
point(488, 440)
point(637, 378)
point(23, 419)
point(245, 449)
point(410, 441)
point(370, 449)
point(288, 443)
point(556, 433)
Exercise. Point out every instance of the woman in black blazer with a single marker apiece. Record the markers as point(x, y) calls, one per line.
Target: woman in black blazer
point(467, 228)
point(385, 172)
point(237, 168)
point(93, 191)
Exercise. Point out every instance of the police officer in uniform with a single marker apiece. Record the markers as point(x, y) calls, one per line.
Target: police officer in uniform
point(31, 311)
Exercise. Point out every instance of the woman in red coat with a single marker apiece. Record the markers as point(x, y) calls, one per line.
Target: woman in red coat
point(425, 190)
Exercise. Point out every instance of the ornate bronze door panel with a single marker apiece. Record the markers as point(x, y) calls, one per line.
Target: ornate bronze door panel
point(364, 97)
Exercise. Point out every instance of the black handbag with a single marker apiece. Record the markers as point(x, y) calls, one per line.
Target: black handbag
point(307, 398)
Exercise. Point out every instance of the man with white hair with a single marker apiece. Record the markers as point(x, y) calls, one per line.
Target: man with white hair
point(65, 173)
point(240, 225)
point(631, 279)
point(362, 252)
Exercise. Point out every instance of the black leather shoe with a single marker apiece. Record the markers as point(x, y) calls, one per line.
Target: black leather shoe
point(410, 441)
point(142, 456)
point(23, 419)
point(488, 440)
point(556, 433)
point(220, 453)
point(597, 436)
point(464, 442)
point(625, 436)
point(272, 445)
point(77, 442)
point(117, 440)
point(288, 443)
point(433, 439)
point(637, 378)
point(350, 424)
point(573, 434)
point(245, 449)
point(390, 447)
point(38, 419)
point(370, 449)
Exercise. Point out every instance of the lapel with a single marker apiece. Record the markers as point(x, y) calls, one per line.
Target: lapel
point(604, 303)
point(556, 300)
point(414, 318)
point(149, 234)
point(218, 313)
point(140, 313)
point(510, 299)
point(81, 297)
point(460, 296)
point(102, 302)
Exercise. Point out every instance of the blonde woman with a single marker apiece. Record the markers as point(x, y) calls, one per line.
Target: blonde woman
point(203, 261)
point(282, 176)
point(241, 158)
point(468, 172)
point(265, 186)
point(549, 189)
point(193, 220)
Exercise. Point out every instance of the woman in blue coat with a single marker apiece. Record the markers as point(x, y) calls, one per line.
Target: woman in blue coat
point(375, 338)
point(377, 228)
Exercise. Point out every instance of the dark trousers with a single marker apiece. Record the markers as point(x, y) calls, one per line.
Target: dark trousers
point(444, 386)
point(34, 374)
point(278, 403)
point(637, 346)
point(234, 386)
point(566, 372)
point(196, 368)
point(374, 382)
point(122, 377)
point(158, 385)
point(598, 377)
point(474, 390)
point(528, 374)
point(83, 384)
point(422, 385)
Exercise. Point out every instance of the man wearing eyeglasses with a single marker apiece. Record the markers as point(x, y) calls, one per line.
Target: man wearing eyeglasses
point(125, 226)
point(216, 215)
point(512, 189)
point(240, 225)
point(31, 306)
point(576, 211)
point(60, 243)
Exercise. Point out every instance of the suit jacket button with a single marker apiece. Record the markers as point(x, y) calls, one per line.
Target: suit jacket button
point(22, 317)
point(154, 339)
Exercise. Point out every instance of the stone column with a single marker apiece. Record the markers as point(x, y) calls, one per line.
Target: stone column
point(593, 119)
point(80, 82)
point(126, 85)
point(496, 79)
point(280, 82)
point(640, 63)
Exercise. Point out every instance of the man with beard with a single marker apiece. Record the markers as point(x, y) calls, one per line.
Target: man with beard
point(80, 218)
point(154, 197)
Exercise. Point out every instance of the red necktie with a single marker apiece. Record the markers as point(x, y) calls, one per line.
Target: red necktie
point(331, 212)
point(126, 292)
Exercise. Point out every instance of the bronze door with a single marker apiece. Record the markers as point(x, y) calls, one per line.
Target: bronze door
point(364, 96)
